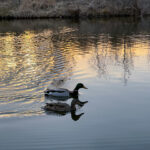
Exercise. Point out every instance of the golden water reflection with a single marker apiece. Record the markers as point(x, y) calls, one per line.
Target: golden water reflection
point(33, 59)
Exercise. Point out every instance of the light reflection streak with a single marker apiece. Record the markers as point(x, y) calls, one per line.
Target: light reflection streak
point(20, 114)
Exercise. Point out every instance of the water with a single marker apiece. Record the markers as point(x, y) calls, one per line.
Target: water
point(110, 56)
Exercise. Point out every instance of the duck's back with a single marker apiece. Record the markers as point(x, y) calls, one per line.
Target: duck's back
point(58, 92)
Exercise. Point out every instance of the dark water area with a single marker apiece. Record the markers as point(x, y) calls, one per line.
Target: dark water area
point(110, 56)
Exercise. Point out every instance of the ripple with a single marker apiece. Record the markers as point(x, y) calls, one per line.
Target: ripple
point(32, 60)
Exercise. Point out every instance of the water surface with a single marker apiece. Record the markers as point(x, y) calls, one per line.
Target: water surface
point(110, 56)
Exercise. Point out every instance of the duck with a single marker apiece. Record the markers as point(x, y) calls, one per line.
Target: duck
point(64, 93)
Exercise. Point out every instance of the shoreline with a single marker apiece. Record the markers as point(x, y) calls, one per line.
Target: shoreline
point(45, 9)
point(72, 17)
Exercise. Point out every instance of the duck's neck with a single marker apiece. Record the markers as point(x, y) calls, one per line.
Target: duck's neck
point(74, 93)
point(76, 88)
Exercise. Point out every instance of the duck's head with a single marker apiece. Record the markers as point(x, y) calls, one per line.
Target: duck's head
point(79, 86)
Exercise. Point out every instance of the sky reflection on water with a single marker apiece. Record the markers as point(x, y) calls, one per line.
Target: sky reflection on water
point(111, 57)
point(32, 60)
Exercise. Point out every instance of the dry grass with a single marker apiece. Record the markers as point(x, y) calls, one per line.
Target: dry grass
point(5, 7)
point(73, 8)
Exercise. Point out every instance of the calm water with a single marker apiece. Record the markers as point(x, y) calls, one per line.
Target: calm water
point(111, 57)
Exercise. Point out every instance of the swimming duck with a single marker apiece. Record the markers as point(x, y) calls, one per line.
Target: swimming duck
point(64, 92)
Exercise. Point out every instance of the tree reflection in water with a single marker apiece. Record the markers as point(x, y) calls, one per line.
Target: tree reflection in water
point(42, 53)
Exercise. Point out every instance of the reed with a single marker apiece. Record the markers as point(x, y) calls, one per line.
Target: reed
point(73, 8)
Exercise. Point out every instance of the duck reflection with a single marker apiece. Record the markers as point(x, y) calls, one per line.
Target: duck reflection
point(53, 98)
point(59, 108)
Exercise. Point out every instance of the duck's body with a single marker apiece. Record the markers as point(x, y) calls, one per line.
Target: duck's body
point(64, 92)
point(58, 92)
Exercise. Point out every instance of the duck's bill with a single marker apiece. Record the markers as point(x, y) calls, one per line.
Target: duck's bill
point(85, 87)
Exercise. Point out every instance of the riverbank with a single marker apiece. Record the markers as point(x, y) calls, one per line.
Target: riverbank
point(72, 8)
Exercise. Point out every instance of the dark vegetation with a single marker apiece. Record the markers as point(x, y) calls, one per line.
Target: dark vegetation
point(72, 8)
